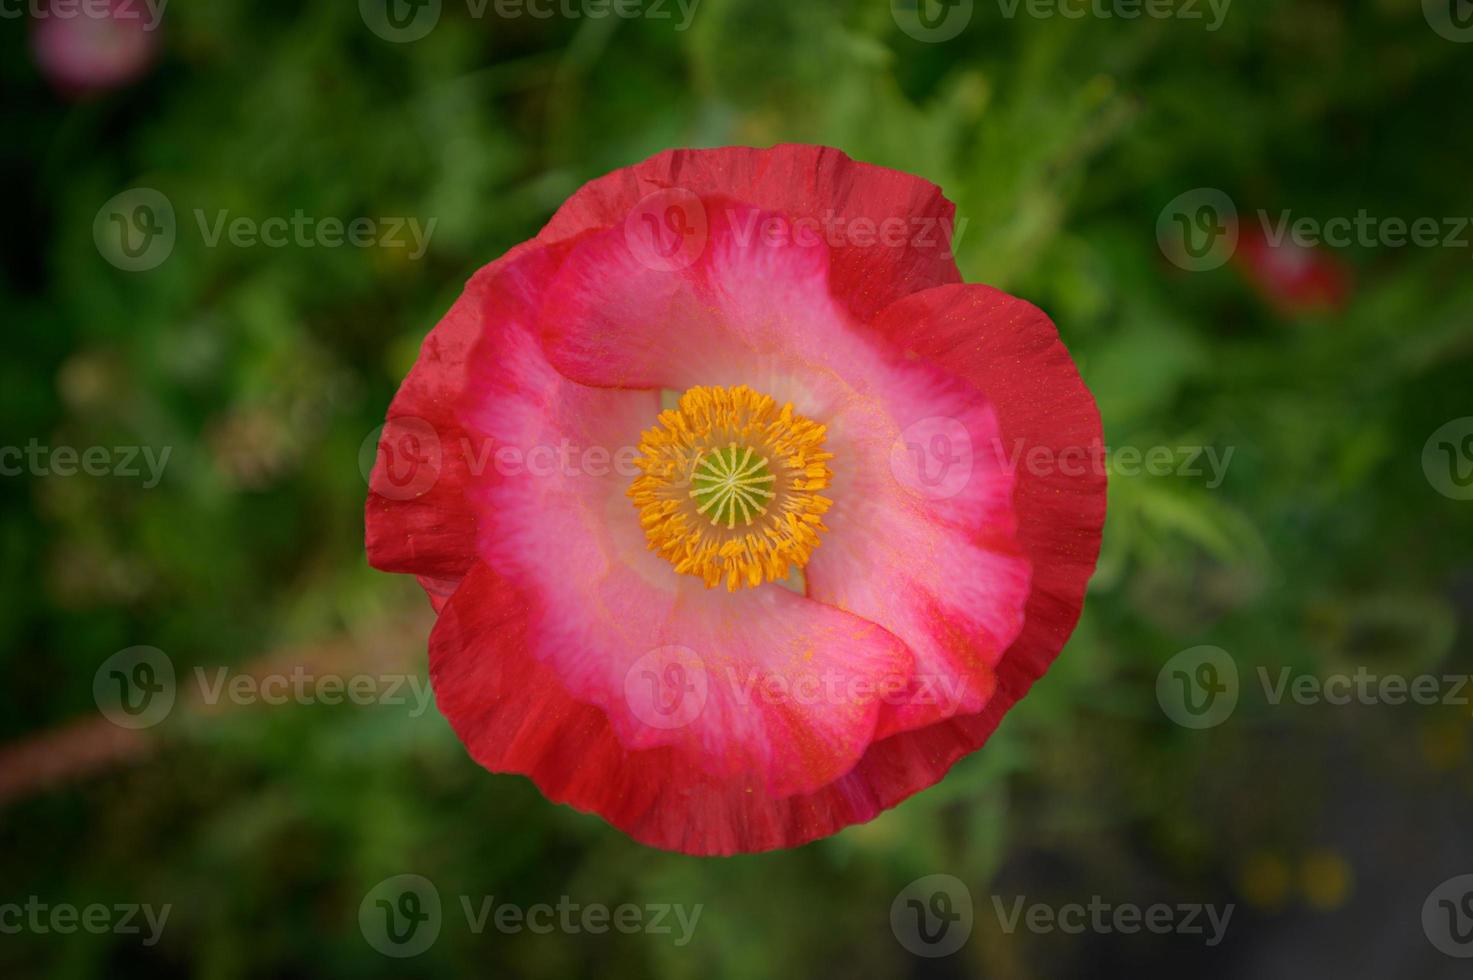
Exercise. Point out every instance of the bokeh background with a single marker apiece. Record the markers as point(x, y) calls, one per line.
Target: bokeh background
point(1336, 539)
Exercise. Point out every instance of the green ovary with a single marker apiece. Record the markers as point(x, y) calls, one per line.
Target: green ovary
point(732, 484)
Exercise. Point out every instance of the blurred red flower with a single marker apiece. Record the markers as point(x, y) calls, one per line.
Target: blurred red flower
point(93, 46)
point(1294, 279)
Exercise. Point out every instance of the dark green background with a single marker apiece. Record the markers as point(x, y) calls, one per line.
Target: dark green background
point(1324, 549)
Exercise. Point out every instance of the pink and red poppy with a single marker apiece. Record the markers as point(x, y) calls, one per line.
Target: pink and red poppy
point(744, 517)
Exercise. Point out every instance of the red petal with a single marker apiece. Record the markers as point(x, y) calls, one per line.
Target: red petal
point(813, 183)
point(417, 519)
point(1012, 352)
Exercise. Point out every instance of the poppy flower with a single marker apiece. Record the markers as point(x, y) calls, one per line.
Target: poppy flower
point(1294, 279)
point(743, 516)
point(94, 46)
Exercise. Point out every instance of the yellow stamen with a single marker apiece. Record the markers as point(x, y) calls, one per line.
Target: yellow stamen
point(728, 489)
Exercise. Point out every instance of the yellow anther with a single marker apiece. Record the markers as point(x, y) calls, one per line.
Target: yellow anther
point(728, 487)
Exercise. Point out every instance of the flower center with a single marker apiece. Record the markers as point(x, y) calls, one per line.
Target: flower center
point(728, 487)
point(732, 480)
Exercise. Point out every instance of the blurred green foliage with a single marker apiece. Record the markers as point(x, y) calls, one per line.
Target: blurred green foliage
point(266, 369)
